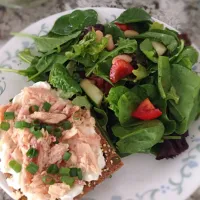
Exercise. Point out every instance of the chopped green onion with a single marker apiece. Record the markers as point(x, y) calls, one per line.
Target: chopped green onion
point(46, 106)
point(68, 180)
point(53, 169)
point(22, 124)
point(9, 115)
point(32, 153)
point(32, 168)
point(5, 126)
point(48, 180)
point(10, 100)
point(64, 171)
point(33, 108)
point(49, 128)
point(67, 156)
point(37, 133)
point(66, 125)
point(79, 174)
point(57, 132)
point(15, 166)
point(73, 172)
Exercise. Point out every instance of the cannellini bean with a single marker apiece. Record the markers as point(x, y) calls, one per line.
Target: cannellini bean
point(110, 46)
point(130, 33)
point(99, 35)
point(125, 57)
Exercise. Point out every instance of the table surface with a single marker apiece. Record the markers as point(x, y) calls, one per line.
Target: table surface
point(182, 14)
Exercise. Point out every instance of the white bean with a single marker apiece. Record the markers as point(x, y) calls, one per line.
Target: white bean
point(110, 46)
point(99, 35)
point(125, 57)
point(130, 33)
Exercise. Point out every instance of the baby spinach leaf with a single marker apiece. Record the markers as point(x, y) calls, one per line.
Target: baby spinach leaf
point(179, 50)
point(123, 46)
point(101, 116)
point(168, 40)
point(77, 20)
point(147, 48)
point(133, 15)
point(140, 73)
point(60, 78)
point(156, 25)
point(127, 103)
point(164, 78)
point(26, 56)
point(82, 101)
point(45, 43)
point(45, 63)
point(170, 125)
point(167, 32)
point(166, 89)
point(113, 97)
point(188, 57)
point(187, 85)
point(138, 138)
point(114, 31)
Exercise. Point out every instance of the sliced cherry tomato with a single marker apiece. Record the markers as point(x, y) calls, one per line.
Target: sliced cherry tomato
point(119, 70)
point(146, 111)
point(123, 27)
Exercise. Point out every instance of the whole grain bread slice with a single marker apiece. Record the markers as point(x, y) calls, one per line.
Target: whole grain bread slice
point(113, 163)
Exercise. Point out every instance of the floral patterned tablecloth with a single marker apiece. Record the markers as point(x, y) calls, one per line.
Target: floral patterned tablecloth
point(181, 14)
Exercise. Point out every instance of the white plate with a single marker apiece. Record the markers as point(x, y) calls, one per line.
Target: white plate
point(142, 177)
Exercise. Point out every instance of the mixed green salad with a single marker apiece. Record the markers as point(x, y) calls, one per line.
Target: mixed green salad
point(133, 73)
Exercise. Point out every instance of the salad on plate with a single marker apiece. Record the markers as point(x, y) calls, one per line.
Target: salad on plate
point(132, 75)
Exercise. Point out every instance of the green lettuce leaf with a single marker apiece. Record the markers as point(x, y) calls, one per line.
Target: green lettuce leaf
point(113, 97)
point(140, 73)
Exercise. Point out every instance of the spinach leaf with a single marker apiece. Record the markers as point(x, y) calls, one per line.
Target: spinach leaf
point(60, 78)
point(101, 116)
point(188, 57)
point(187, 85)
point(170, 125)
point(114, 31)
point(45, 43)
point(133, 15)
point(168, 40)
point(77, 20)
point(45, 63)
point(166, 89)
point(127, 103)
point(147, 48)
point(164, 78)
point(82, 101)
point(113, 97)
point(179, 50)
point(140, 73)
point(26, 56)
point(156, 25)
point(139, 138)
point(150, 91)
point(123, 46)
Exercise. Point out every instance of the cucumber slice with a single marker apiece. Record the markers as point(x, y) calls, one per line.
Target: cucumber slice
point(159, 47)
point(93, 92)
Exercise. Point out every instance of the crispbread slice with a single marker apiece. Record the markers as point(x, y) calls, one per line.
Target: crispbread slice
point(113, 163)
